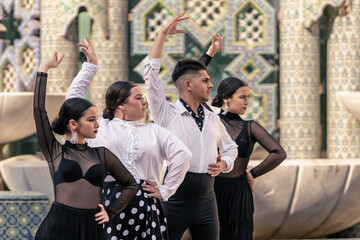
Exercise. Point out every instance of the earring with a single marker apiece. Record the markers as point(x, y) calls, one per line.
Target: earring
point(123, 111)
point(226, 108)
point(73, 140)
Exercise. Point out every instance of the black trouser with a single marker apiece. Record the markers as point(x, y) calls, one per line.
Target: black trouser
point(193, 206)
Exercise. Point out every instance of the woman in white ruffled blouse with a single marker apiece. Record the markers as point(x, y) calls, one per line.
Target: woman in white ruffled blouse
point(141, 148)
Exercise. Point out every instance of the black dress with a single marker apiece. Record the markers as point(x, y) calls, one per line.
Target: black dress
point(78, 173)
point(233, 194)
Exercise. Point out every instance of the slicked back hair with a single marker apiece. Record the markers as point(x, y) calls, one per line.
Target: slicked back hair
point(187, 66)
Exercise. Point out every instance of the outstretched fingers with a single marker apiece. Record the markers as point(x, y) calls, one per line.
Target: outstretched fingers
point(60, 59)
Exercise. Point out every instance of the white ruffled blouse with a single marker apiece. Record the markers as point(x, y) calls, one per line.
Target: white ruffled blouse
point(142, 148)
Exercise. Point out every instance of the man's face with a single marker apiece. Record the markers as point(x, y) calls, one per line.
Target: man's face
point(200, 86)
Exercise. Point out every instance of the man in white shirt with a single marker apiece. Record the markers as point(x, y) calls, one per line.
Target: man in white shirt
point(193, 206)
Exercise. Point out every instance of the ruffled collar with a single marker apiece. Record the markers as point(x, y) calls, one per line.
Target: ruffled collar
point(230, 115)
point(131, 145)
point(78, 146)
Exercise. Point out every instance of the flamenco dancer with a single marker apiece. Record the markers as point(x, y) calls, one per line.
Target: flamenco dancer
point(193, 205)
point(77, 170)
point(142, 149)
point(234, 189)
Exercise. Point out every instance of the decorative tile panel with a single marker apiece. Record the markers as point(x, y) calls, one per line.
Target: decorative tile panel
point(21, 214)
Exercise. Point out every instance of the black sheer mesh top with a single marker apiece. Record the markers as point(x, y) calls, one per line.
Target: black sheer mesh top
point(246, 134)
point(77, 170)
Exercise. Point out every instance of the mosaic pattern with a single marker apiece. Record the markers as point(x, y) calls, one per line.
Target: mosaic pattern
point(21, 214)
point(299, 84)
point(108, 35)
point(154, 21)
point(250, 26)
point(24, 55)
point(250, 65)
point(111, 50)
point(343, 73)
point(144, 29)
point(8, 78)
point(60, 78)
point(207, 18)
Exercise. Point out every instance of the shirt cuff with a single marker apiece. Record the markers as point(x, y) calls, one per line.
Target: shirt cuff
point(253, 174)
point(42, 74)
point(164, 193)
point(90, 66)
point(155, 63)
point(229, 165)
point(207, 56)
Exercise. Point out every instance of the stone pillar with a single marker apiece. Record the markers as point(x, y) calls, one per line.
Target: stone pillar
point(60, 78)
point(112, 51)
point(343, 72)
point(299, 84)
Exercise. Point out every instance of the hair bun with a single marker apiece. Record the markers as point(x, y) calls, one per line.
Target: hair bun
point(217, 101)
point(108, 114)
point(59, 127)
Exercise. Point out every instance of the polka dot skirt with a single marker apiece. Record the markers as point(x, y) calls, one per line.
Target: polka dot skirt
point(143, 218)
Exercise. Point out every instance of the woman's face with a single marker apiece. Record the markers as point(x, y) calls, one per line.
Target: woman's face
point(238, 102)
point(135, 107)
point(87, 124)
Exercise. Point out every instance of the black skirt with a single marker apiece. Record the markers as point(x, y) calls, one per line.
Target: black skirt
point(236, 208)
point(143, 218)
point(64, 222)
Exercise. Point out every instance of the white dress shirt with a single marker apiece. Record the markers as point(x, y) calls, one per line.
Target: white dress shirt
point(202, 144)
point(141, 148)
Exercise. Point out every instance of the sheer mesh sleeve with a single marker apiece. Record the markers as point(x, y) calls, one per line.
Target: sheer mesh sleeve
point(206, 59)
point(122, 176)
point(48, 144)
point(276, 152)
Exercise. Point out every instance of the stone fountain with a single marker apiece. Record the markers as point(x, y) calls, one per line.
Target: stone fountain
point(305, 198)
point(17, 122)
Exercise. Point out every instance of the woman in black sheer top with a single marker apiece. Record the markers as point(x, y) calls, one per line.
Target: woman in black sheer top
point(233, 189)
point(77, 171)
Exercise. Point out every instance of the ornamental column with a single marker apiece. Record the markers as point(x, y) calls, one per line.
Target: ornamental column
point(299, 84)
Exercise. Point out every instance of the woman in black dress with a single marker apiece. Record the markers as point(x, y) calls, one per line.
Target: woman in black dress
point(233, 189)
point(77, 171)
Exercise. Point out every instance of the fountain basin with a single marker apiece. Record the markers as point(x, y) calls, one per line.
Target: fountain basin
point(351, 101)
point(307, 198)
point(16, 114)
point(26, 173)
point(298, 199)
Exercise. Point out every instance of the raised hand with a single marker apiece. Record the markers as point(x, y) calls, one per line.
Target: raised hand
point(216, 45)
point(102, 216)
point(171, 28)
point(54, 62)
point(88, 50)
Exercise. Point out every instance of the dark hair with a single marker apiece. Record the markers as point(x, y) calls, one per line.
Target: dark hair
point(226, 89)
point(186, 66)
point(72, 108)
point(116, 95)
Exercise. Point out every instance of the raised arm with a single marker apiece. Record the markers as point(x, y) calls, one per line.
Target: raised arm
point(48, 144)
point(216, 45)
point(122, 176)
point(160, 109)
point(83, 79)
point(276, 152)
